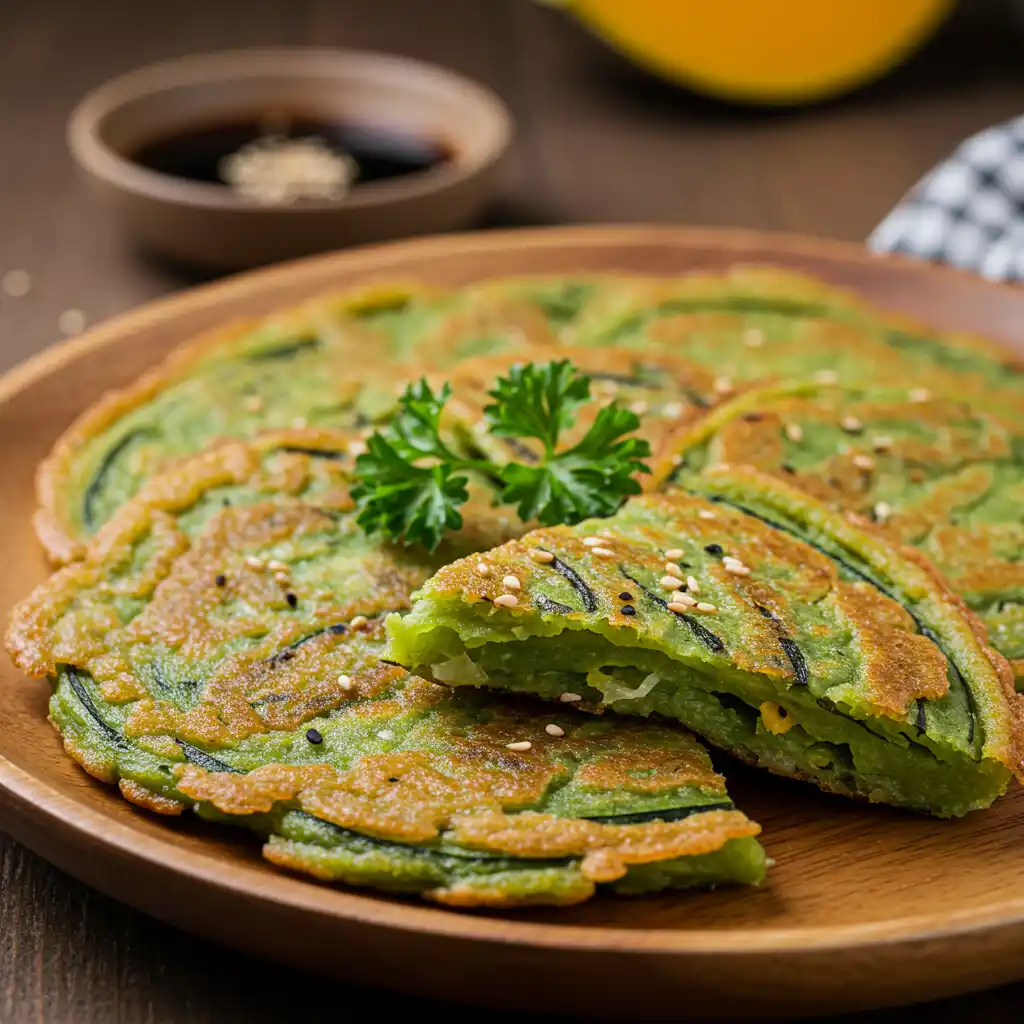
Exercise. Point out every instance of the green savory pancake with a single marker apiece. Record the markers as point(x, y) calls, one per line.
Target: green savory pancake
point(219, 648)
point(929, 471)
point(845, 661)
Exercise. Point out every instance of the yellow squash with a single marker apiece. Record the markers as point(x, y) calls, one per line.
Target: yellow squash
point(764, 51)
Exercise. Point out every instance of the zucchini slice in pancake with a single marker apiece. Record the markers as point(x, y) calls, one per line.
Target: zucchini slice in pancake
point(337, 362)
point(220, 648)
point(856, 671)
point(752, 322)
point(928, 471)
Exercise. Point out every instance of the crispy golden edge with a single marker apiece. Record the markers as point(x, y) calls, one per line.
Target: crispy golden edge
point(51, 520)
point(176, 489)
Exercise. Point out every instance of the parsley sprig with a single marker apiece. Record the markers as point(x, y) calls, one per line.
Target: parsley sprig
point(411, 483)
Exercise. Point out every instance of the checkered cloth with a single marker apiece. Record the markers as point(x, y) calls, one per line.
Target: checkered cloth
point(969, 210)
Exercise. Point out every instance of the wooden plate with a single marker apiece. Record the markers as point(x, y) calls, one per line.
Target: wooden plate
point(865, 906)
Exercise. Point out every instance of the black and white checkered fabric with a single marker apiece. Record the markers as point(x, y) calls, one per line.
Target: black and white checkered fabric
point(969, 210)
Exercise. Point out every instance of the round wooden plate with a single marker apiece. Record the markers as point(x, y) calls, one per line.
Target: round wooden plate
point(864, 907)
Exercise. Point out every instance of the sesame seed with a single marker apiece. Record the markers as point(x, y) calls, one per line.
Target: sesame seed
point(511, 583)
point(881, 443)
point(851, 424)
point(282, 579)
point(356, 448)
point(681, 603)
point(639, 408)
point(71, 321)
point(607, 534)
point(606, 387)
point(919, 394)
point(882, 511)
point(554, 730)
point(674, 553)
point(794, 432)
point(293, 601)
point(299, 423)
point(252, 562)
point(673, 410)
point(628, 609)
point(220, 579)
point(313, 735)
point(386, 734)
point(540, 555)
point(483, 569)
point(723, 385)
point(826, 376)
point(506, 601)
point(713, 549)
point(706, 513)
point(519, 745)
point(344, 681)
point(16, 283)
point(673, 569)
point(692, 585)
point(864, 462)
point(625, 596)
point(671, 582)
point(602, 552)
point(676, 460)
point(591, 542)
point(357, 621)
point(254, 403)
point(737, 570)
point(703, 606)
point(569, 698)
point(276, 566)
point(753, 338)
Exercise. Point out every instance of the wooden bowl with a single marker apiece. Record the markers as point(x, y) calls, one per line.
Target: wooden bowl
point(865, 905)
point(210, 225)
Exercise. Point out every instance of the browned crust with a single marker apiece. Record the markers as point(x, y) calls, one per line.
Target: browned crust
point(51, 520)
point(142, 797)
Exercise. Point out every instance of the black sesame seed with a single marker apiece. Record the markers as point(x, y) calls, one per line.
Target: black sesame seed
point(753, 417)
point(783, 713)
point(337, 629)
point(625, 596)
point(314, 737)
point(628, 609)
point(221, 580)
point(392, 779)
point(713, 549)
point(291, 599)
point(227, 503)
point(787, 468)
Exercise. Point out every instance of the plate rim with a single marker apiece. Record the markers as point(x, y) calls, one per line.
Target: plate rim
point(25, 796)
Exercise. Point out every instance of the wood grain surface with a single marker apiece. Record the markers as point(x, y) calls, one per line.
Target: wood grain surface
point(597, 141)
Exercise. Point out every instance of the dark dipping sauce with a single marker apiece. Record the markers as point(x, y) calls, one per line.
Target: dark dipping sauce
point(380, 153)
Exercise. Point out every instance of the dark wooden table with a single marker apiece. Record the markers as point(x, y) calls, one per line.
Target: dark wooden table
point(597, 142)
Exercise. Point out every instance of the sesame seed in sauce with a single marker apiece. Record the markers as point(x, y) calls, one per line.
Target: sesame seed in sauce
point(483, 569)
point(681, 603)
point(919, 394)
point(511, 583)
point(569, 698)
point(220, 579)
point(357, 621)
point(519, 745)
point(386, 734)
point(506, 601)
point(826, 377)
point(674, 553)
point(313, 735)
point(794, 432)
point(293, 601)
point(706, 513)
point(674, 569)
point(603, 552)
point(591, 542)
point(539, 555)
point(851, 424)
point(704, 606)
point(554, 730)
point(753, 338)
point(692, 585)
point(864, 462)
point(671, 582)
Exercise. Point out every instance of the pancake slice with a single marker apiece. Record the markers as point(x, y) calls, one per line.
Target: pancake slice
point(850, 666)
point(220, 648)
point(936, 473)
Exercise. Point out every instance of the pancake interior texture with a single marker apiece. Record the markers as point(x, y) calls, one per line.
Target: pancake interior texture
point(219, 647)
point(339, 362)
point(845, 662)
point(927, 470)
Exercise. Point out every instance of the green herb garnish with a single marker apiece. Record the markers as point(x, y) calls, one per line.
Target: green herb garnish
point(411, 484)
